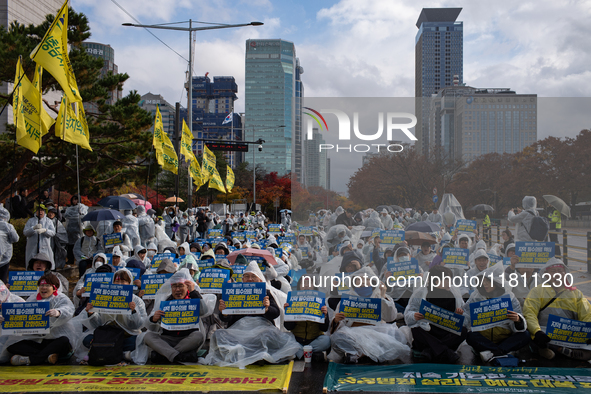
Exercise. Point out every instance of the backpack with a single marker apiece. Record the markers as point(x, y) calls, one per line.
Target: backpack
point(539, 227)
point(107, 346)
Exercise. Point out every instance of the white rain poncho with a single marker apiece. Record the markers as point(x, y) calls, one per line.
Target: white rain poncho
point(333, 218)
point(8, 236)
point(450, 201)
point(131, 228)
point(337, 234)
point(386, 220)
point(145, 261)
point(381, 342)
point(82, 281)
point(6, 296)
point(164, 240)
point(146, 226)
point(373, 221)
point(183, 227)
point(190, 264)
point(39, 242)
point(524, 219)
point(86, 247)
point(73, 216)
point(396, 291)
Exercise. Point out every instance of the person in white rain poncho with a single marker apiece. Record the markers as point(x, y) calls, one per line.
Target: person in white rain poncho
point(8, 236)
point(140, 254)
point(73, 215)
point(336, 235)
point(523, 218)
point(5, 296)
point(183, 232)
point(146, 226)
point(386, 220)
point(373, 221)
point(400, 294)
point(251, 338)
point(131, 324)
point(435, 344)
point(86, 247)
point(64, 334)
point(39, 230)
point(131, 227)
point(59, 241)
point(170, 219)
point(98, 260)
point(125, 247)
point(380, 342)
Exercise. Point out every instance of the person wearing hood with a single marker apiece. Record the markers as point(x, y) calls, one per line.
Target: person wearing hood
point(98, 260)
point(251, 338)
point(152, 250)
point(39, 231)
point(195, 248)
point(170, 220)
point(336, 235)
point(179, 345)
point(523, 218)
point(166, 267)
point(86, 247)
point(131, 324)
point(62, 337)
point(207, 254)
point(125, 247)
point(352, 340)
point(425, 256)
point(8, 236)
point(146, 227)
point(512, 334)
point(73, 216)
point(386, 220)
point(425, 216)
point(558, 298)
point(373, 221)
point(60, 240)
point(131, 227)
point(435, 217)
point(117, 258)
point(190, 264)
point(42, 262)
point(140, 254)
point(481, 262)
point(434, 343)
point(524, 279)
point(480, 245)
point(221, 250)
point(507, 236)
point(400, 294)
point(184, 249)
point(184, 224)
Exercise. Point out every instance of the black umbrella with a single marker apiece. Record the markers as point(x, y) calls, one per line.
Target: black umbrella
point(482, 207)
point(386, 207)
point(117, 202)
point(102, 214)
point(423, 227)
point(397, 208)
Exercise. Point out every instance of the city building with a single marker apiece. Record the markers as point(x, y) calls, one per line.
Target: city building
point(316, 161)
point(467, 122)
point(25, 12)
point(438, 57)
point(150, 102)
point(271, 101)
point(327, 173)
point(107, 54)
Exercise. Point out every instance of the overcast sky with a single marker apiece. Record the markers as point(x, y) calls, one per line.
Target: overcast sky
point(353, 48)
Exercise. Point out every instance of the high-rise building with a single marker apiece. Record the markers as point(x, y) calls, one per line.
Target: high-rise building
point(327, 173)
point(438, 57)
point(271, 102)
point(299, 161)
point(316, 161)
point(467, 122)
point(150, 102)
point(25, 12)
point(107, 54)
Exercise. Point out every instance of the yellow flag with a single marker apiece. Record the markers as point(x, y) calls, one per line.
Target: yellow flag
point(157, 138)
point(169, 156)
point(215, 182)
point(229, 179)
point(187, 143)
point(70, 127)
point(195, 171)
point(208, 164)
point(52, 54)
point(25, 105)
point(46, 120)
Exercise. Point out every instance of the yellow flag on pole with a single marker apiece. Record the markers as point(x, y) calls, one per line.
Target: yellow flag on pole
point(208, 164)
point(26, 112)
point(195, 171)
point(46, 120)
point(169, 157)
point(229, 179)
point(73, 127)
point(52, 55)
point(187, 143)
point(215, 182)
point(157, 138)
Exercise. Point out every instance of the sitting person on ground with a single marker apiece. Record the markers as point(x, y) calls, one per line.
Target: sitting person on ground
point(522, 280)
point(98, 260)
point(425, 256)
point(42, 262)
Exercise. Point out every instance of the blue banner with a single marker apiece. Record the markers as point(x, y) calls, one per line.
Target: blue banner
point(295, 277)
point(111, 299)
point(456, 258)
point(391, 237)
point(237, 271)
point(203, 264)
point(308, 231)
point(465, 225)
point(534, 254)
point(25, 318)
point(151, 283)
point(96, 277)
point(260, 261)
point(250, 235)
point(506, 261)
point(158, 259)
point(274, 228)
point(569, 333)
point(211, 280)
point(112, 239)
point(489, 313)
point(24, 283)
point(305, 252)
point(244, 298)
point(215, 233)
point(180, 315)
point(305, 305)
point(442, 318)
point(494, 258)
point(239, 236)
point(360, 309)
point(403, 268)
point(289, 239)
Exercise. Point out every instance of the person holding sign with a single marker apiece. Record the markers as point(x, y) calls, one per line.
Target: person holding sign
point(504, 335)
point(8, 236)
point(130, 324)
point(425, 256)
point(555, 296)
point(481, 262)
point(435, 341)
point(400, 294)
point(521, 280)
point(181, 345)
point(125, 246)
point(64, 335)
point(98, 260)
point(41, 262)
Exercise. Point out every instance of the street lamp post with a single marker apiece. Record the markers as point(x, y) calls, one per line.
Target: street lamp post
point(191, 29)
point(254, 178)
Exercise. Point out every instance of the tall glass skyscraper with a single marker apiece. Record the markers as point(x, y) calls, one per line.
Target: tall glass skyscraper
point(270, 97)
point(438, 59)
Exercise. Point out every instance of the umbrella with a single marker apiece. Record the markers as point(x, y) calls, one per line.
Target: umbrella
point(252, 252)
point(138, 201)
point(102, 214)
point(174, 199)
point(382, 207)
point(423, 227)
point(151, 212)
point(559, 204)
point(285, 210)
point(482, 207)
point(133, 196)
point(397, 208)
point(417, 238)
point(117, 202)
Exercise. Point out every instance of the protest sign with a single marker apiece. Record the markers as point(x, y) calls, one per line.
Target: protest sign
point(456, 258)
point(180, 315)
point(239, 235)
point(295, 277)
point(310, 230)
point(305, 305)
point(215, 233)
point(391, 237)
point(211, 280)
point(494, 258)
point(403, 268)
point(151, 283)
point(274, 228)
point(237, 271)
point(244, 298)
point(489, 313)
point(25, 318)
point(260, 261)
point(96, 277)
point(360, 309)
point(111, 299)
point(567, 332)
point(305, 250)
point(506, 261)
point(533, 254)
point(24, 283)
point(465, 225)
point(442, 318)
point(111, 240)
point(250, 235)
point(202, 264)
point(158, 259)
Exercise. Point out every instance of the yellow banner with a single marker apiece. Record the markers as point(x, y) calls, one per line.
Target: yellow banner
point(187, 143)
point(230, 178)
point(195, 171)
point(52, 54)
point(46, 120)
point(74, 128)
point(215, 182)
point(169, 157)
point(208, 164)
point(26, 104)
point(136, 378)
point(158, 131)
